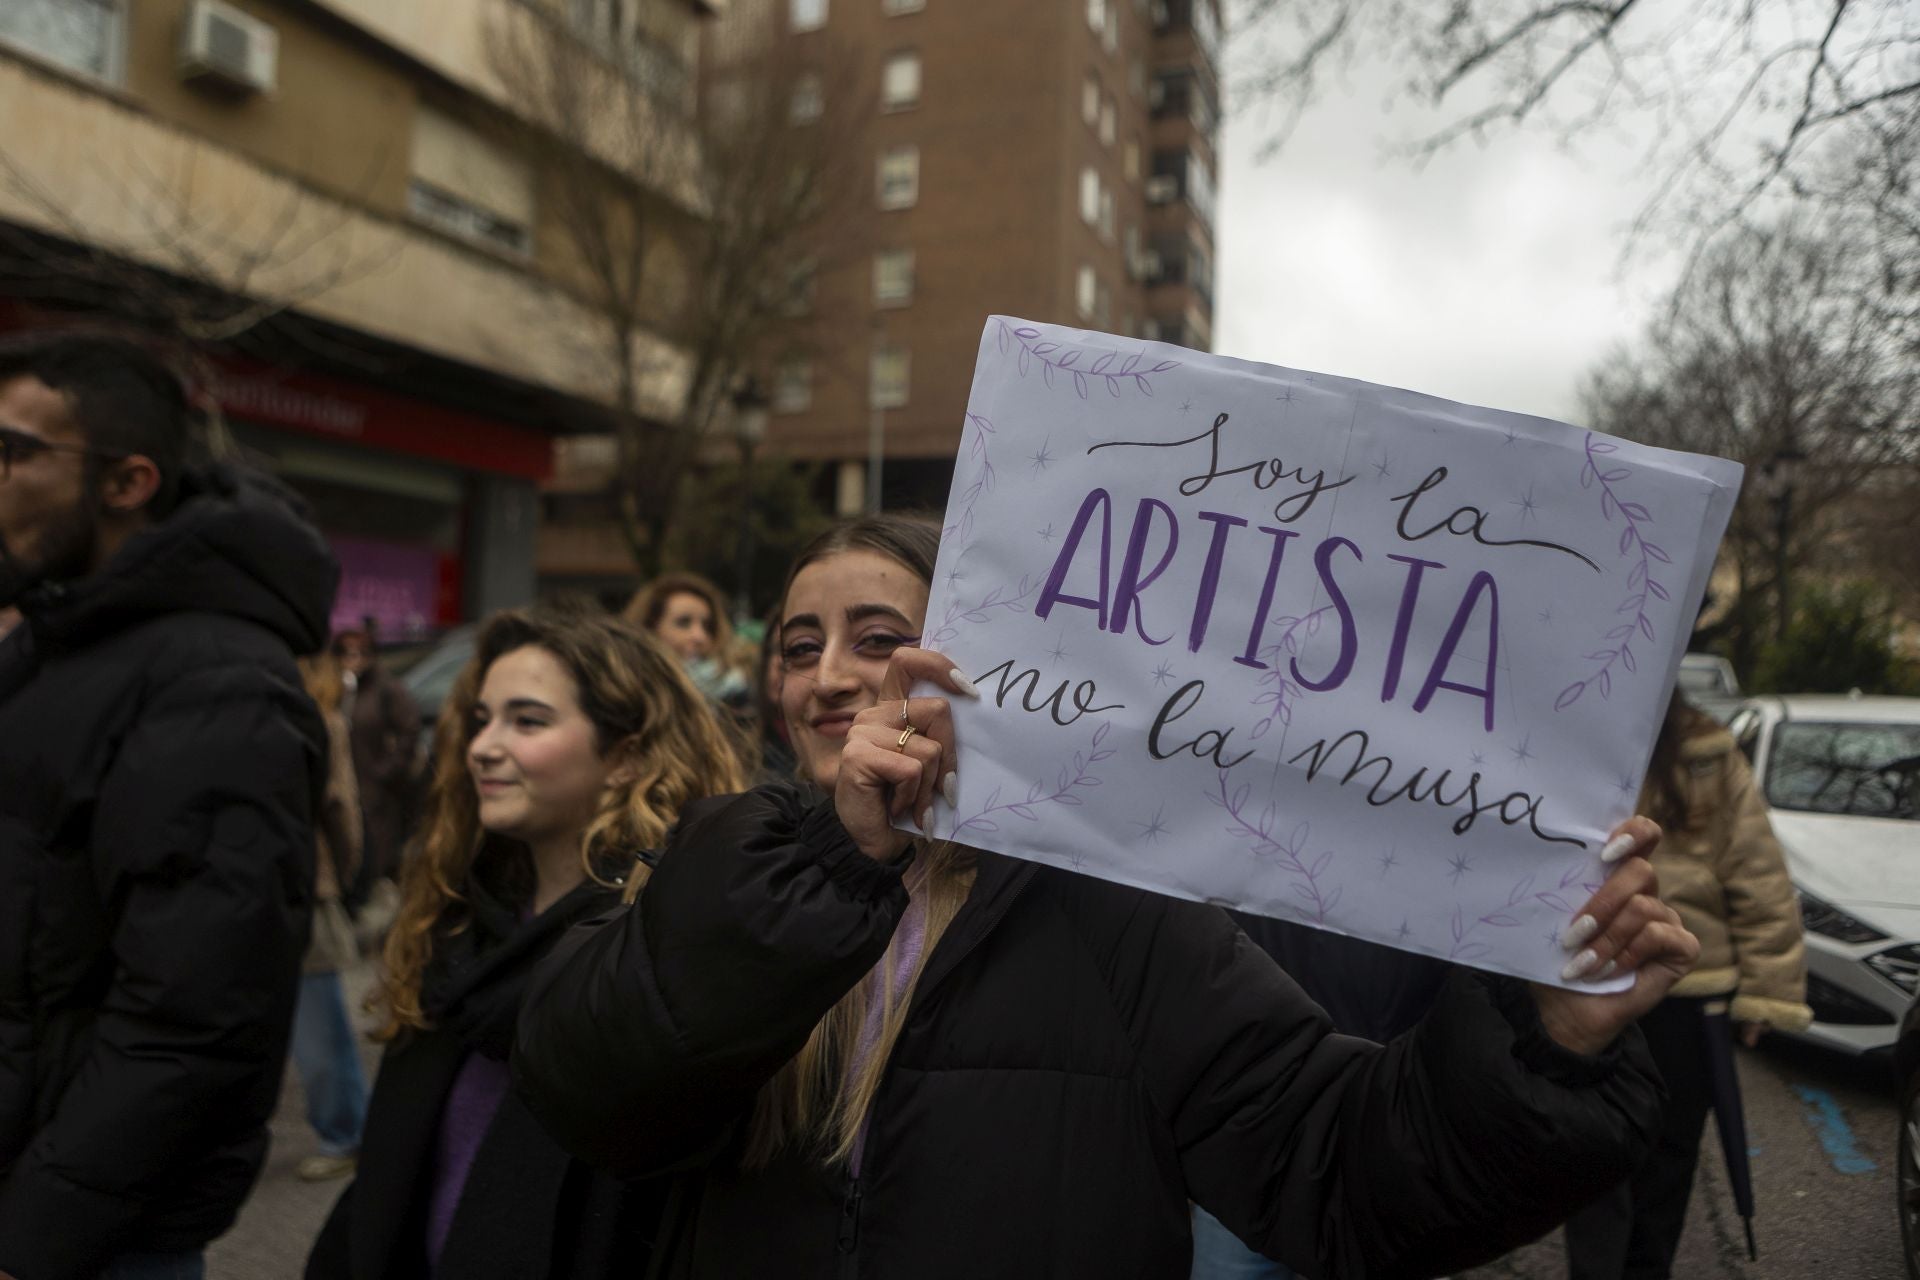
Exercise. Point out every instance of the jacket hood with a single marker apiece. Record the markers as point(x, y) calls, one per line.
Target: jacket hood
point(239, 543)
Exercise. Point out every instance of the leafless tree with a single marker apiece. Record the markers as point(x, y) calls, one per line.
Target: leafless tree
point(1773, 354)
point(640, 173)
point(1742, 103)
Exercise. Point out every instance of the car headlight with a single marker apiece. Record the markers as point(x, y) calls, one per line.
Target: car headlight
point(1898, 965)
point(1829, 921)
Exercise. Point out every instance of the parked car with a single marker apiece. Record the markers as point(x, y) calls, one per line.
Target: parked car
point(1906, 1177)
point(1709, 683)
point(1841, 777)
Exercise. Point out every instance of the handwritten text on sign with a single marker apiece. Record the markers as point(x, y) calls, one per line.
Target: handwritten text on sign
point(1323, 650)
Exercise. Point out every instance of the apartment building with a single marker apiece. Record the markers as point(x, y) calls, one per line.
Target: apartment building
point(1051, 159)
point(347, 199)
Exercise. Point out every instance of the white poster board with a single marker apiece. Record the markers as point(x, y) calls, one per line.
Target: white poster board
point(1322, 650)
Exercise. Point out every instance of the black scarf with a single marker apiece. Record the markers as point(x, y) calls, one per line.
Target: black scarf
point(473, 983)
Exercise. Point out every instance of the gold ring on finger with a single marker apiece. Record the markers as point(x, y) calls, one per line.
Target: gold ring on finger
point(910, 731)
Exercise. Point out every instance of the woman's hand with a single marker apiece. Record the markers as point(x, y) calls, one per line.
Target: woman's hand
point(1625, 928)
point(887, 774)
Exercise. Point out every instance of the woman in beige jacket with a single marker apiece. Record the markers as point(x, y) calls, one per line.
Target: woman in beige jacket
point(1722, 870)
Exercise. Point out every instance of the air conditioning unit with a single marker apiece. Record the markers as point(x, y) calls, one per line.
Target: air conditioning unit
point(1163, 189)
point(221, 45)
point(1148, 266)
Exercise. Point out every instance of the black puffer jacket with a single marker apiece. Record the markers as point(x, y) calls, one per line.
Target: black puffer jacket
point(160, 766)
point(1081, 1058)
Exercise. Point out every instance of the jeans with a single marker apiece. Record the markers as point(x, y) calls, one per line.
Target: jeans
point(1219, 1255)
point(157, 1266)
point(329, 1064)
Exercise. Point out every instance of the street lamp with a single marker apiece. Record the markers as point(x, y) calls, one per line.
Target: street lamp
point(749, 429)
point(1781, 470)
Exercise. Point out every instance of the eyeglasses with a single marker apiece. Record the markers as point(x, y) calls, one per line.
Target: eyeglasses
point(18, 445)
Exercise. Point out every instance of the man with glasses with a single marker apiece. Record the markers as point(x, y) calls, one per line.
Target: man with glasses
point(159, 773)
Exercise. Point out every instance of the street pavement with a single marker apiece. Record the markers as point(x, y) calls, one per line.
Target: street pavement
point(1822, 1131)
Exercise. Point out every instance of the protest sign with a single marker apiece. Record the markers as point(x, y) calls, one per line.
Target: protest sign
point(1322, 650)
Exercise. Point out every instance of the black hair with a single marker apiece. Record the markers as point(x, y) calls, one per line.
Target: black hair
point(123, 397)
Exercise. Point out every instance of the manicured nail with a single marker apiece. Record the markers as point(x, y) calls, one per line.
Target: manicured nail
point(1604, 972)
point(924, 821)
point(1579, 933)
point(963, 684)
point(950, 788)
point(1579, 965)
point(1616, 848)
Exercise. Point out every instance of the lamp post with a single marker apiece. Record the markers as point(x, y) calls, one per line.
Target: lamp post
point(1781, 470)
point(749, 429)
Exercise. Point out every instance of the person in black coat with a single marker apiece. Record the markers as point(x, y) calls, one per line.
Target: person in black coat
point(568, 742)
point(856, 1063)
point(160, 772)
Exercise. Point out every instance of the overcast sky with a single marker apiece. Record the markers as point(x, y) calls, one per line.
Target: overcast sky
point(1491, 276)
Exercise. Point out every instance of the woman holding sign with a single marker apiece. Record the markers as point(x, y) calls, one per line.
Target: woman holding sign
point(861, 1054)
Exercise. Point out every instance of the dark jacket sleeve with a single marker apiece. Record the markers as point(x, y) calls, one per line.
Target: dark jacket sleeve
point(1469, 1135)
point(646, 1034)
point(203, 843)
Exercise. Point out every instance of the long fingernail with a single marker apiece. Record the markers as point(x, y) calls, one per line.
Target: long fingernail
point(950, 788)
point(963, 684)
point(924, 821)
point(1604, 972)
point(1579, 965)
point(1578, 933)
point(1616, 848)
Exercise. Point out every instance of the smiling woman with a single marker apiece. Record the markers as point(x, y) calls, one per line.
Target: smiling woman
point(566, 748)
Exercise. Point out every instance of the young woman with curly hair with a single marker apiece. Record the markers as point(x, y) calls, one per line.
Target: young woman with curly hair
point(569, 745)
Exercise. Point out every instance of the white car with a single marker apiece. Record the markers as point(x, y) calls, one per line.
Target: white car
point(1841, 776)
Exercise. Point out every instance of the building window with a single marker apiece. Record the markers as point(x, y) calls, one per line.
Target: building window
point(809, 99)
point(465, 184)
point(808, 15)
point(895, 7)
point(1131, 161)
point(1106, 122)
point(891, 367)
point(900, 84)
point(1106, 214)
point(793, 385)
point(1096, 15)
point(83, 35)
point(1110, 31)
point(652, 42)
point(893, 277)
point(1090, 100)
point(899, 179)
point(800, 287)
point(1199, 186)
point(1089, 196)
point(1086, 292)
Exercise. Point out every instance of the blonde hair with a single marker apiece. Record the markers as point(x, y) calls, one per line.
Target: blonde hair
point(812, 1102)
point(645, 713)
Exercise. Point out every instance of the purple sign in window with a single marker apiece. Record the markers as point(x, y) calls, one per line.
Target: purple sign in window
point(392, 583)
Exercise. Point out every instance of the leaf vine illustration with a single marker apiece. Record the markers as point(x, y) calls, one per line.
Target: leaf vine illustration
point(1067, 783)
point(1057, 362)
point(1276, 690)
point(983, 481)
point(1641, 584)
point(1288, 852)
point(958, 611)
point(1465, 946)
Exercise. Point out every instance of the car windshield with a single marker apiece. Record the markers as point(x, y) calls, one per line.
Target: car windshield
point(1863, 769)
point(1702, 680)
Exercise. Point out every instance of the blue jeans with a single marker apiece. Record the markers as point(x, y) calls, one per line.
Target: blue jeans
point(157, 1266)
point(329, 1064)
point(1219, 1255)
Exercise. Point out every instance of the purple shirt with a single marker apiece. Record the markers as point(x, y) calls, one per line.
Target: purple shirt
point(910, 940)
point(476, 1094)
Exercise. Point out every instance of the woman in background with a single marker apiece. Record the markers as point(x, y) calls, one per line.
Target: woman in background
point(567, 747)
point(1722, 869)
point(325, 1051)
point(688, 615)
